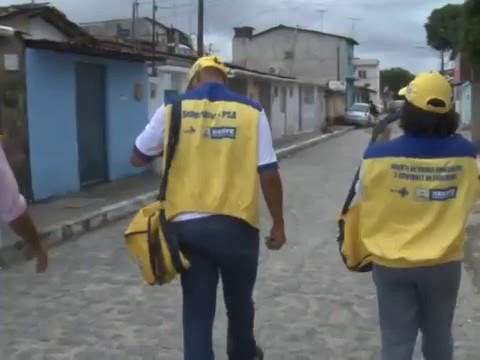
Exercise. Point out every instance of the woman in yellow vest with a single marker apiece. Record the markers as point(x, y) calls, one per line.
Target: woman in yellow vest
point(212, 198)
point(417, 192)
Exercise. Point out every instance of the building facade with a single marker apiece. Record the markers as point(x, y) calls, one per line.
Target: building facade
point(70, 108)
point(305, 54)
point(367, 76)
point(83, 113)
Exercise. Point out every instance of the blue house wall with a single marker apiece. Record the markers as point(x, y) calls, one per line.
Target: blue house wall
point(52, 123)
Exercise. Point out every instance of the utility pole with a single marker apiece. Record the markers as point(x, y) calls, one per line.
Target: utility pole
point(294, 49)
point(201, 25)
point(322, 13)
point(154, 36)
point(134, 18)
point(442, 62)
point(338, 63)
point(354, 21)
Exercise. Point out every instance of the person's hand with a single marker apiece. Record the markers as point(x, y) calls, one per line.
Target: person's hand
point(41, 256)
point(277, 238)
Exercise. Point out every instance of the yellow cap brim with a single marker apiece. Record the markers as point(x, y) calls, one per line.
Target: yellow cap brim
point(403, 91)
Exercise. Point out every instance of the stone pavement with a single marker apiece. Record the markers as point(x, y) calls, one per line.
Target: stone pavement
point(92, 305)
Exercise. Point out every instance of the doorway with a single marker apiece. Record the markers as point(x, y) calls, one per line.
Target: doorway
point(91, 124)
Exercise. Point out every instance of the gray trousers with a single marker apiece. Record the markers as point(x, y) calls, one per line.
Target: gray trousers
point(416, 299)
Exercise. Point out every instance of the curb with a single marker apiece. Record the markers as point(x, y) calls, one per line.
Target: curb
point(60, 233)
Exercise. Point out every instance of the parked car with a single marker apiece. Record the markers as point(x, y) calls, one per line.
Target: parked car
point(359, 115)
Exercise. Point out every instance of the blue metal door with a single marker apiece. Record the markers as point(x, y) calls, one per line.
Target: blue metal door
point(91, 124)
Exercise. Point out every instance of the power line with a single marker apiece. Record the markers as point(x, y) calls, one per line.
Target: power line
point(201, 27)
point(354, 21)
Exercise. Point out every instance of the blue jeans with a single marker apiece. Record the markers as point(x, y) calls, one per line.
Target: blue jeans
point(416, 299)
point(218, 246)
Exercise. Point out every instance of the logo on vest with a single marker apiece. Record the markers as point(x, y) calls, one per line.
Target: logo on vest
point(443, 194)
point(403, 192)
point(422, 194)
point(190, 130)
point(222, 132)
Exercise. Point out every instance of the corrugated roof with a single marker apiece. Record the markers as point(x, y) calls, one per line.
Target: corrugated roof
point(285, 27)
point(111, 49)
point(97, 49)
point(48, 13)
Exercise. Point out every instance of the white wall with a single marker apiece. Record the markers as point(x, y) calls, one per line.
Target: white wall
point(372, 69)
point(156, 99)
point(278, 118)
point(165, 81)
point(293, 111)
point(288, 122)
point(285, 122)
point(35, 27)
point(313, 108)
point(315, 55)
point(41, 30)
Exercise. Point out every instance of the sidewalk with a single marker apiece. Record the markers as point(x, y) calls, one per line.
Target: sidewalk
point(68, 217)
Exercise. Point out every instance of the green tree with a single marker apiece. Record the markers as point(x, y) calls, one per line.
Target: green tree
point(444, 29)
point(471, 30)
point(395, 79)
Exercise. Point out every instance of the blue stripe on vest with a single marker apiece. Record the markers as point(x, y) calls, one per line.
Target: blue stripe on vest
point(217, 92)
point(422, 148)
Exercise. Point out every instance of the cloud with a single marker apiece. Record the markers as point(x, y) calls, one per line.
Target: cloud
point(390, 30)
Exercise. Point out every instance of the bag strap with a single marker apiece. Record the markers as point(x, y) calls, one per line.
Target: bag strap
point(172, 142)
point(379, 129)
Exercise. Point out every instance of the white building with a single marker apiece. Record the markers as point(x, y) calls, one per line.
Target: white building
point(367, 73)
point(292, 106)
point(306, 54)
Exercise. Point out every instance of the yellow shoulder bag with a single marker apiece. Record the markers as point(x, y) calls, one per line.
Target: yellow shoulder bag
point(151, 242)
point(352, 249)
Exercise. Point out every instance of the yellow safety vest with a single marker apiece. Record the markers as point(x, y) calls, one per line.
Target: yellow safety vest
point(215, 165)
point(417, 196)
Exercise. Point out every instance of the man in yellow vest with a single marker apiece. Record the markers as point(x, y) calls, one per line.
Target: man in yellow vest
point(416, 193)
point(212, 199)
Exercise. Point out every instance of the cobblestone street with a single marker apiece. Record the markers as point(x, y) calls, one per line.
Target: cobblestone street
point(92, 305)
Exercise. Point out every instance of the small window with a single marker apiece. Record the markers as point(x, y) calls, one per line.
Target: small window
point(362, 74)
point(288, 55)
point(153, 90)
point(138, 91)
point(283, 100)
point(308, 95)
point(275, 91)
point(291, 92)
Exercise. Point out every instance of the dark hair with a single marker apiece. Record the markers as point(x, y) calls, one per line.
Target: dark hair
point(415, 121)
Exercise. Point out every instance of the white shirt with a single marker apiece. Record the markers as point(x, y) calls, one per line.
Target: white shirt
point(12, 203)
point(150, 144)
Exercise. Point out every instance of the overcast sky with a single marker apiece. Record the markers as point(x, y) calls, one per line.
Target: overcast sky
point(389, 30)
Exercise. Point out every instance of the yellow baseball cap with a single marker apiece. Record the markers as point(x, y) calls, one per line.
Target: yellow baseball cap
point(426, 87)
point(207, 62)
